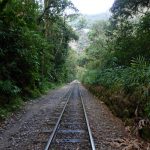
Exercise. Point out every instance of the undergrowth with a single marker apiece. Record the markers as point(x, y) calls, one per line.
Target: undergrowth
point(126, 90)
point(17, 102)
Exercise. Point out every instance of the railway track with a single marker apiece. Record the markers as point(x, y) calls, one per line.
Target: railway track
point(72, 130)
point(68, 127)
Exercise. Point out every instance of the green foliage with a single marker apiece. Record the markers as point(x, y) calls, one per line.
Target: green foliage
point(116, 65)
point(81, 24)
point(127, 8)
point(14, 105)
point(71, 67)
point(34, 47)
point(133, 80)
point(8, 88)
point(118, 58)
point(4, 113)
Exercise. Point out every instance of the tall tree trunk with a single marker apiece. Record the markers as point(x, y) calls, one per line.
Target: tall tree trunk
point(46, 21)
point(46, 3)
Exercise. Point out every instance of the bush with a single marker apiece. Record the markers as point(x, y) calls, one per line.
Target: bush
point(4, 113)
point(7, 109)
point(133, 82)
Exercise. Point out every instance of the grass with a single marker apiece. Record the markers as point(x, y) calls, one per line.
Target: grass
point(17, 103)
point(7, 110)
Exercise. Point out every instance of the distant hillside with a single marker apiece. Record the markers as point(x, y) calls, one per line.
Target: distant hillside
point(91, 18)
point(102, 16)
point(83, 41)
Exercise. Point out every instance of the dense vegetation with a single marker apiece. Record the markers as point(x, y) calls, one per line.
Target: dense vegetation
point(34, 48)
point(35, 55)
point(116, 65)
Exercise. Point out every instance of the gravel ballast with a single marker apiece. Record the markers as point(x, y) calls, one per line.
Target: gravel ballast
point(104, 125)
point(24, 129)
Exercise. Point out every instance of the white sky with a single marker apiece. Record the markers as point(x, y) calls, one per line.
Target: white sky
point(93, 6)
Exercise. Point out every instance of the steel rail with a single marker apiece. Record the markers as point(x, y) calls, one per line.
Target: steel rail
point(87, 122)
point(57, 124)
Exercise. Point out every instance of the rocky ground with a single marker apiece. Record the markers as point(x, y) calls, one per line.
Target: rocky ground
point(109, 131)
point(104, 125)
point(22, 128)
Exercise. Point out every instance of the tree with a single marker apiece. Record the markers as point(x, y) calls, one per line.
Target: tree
point(34, 47)
point(117, 60)
point(128, 8)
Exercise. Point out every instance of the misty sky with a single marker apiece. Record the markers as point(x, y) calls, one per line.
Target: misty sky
point(93, 6)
